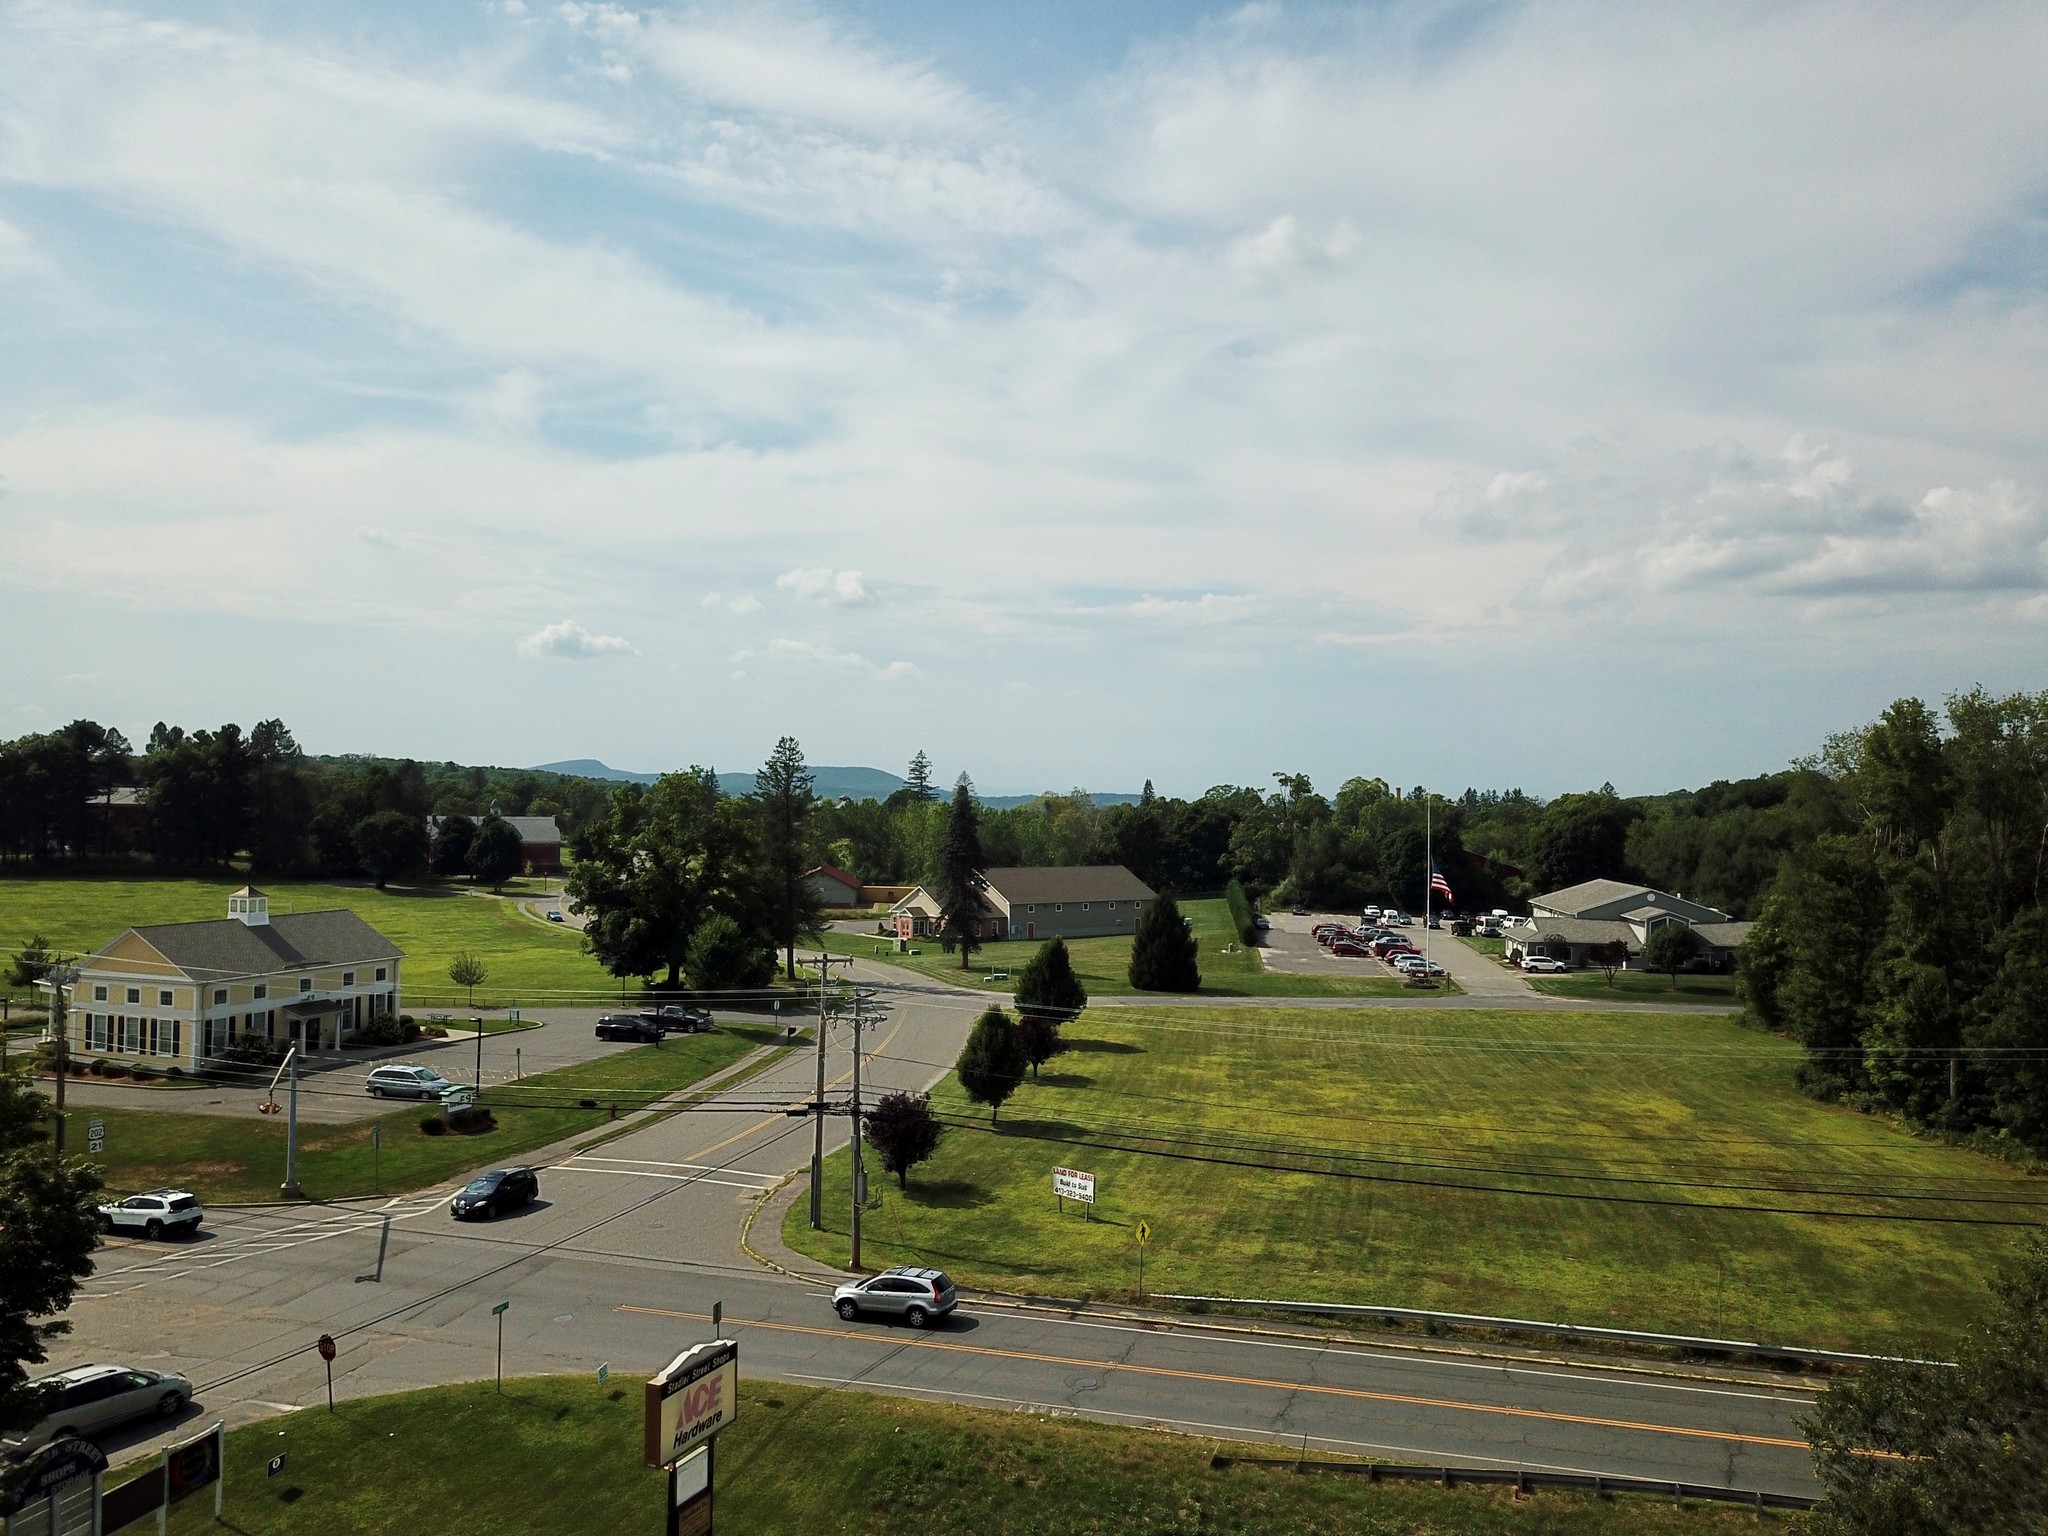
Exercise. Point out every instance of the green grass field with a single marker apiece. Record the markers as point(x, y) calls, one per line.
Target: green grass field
point(1298, 1154)
point(527, 960)
point(1635, 986)
point(241, 1157)
point(552, 1452)
point(1228, 968)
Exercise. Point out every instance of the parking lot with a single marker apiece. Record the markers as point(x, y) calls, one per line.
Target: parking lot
point(1291, 948)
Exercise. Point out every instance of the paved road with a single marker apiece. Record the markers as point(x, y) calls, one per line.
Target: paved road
point(636, 1237)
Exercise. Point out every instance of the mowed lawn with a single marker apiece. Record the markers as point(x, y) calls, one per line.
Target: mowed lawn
point(527, 961)
point(241, 1157)
point(553, 1452)
point(1637, 986)
point(1228, 968)
point(1556, 1166)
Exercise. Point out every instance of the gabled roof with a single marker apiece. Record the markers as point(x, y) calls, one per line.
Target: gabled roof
point(223, 946)
point(833, 872)
point(531, 829)
point(1067, 882)
point(1589, 894)
point(1576, 930)
point(1723, 935)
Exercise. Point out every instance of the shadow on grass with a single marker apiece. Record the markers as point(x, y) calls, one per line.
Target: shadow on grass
point(1064, 1080)
point(1051, 1130)
point(947, 1194)
point(1112, 1047)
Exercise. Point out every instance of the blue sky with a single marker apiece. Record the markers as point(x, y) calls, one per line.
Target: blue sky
point(1470, 394)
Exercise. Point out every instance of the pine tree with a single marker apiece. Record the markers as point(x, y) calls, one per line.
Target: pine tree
point(783, 803)
point(919, 780)
point(1048, 985)
point(958, 882)
point(992, 1063)
point(1163, 951)
point(1147, 797)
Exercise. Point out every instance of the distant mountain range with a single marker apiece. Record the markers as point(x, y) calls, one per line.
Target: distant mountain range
point(831, 783)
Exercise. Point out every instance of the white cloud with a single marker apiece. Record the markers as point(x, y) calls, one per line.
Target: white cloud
point(738, 604)
point(812, 654)
point(570, 641)
point(1209, 608)
point(817, 584)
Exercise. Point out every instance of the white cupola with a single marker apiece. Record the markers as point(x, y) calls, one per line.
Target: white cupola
point(250, 906)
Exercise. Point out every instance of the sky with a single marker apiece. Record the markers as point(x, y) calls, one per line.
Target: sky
point(1497, 394)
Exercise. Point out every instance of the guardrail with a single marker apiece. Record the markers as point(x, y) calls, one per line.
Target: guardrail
point(1596, 1483)
point(1554, 1330)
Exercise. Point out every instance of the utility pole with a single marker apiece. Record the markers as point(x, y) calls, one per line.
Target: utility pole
point(290, 1188)
point(825, 964)
point(60, 1030)
point(859, 1166)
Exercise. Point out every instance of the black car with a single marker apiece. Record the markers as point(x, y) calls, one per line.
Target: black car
point(627, 1026)
point(681, 1021)
point(492, 1194)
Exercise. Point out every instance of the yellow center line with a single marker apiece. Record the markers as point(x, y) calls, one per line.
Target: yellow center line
point(1169, 1372)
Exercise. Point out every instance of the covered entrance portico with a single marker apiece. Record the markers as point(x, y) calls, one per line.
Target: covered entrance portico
point(314, 1026)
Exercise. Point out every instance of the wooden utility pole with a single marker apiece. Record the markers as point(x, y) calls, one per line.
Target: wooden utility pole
point(825, 964)
point(859, 1166)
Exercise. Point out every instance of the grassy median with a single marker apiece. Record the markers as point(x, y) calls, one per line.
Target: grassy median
point(1229, 969)
point(562, 1453)
point(241, 1157)
point(1637, 1170)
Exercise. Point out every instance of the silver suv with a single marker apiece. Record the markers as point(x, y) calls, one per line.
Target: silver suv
point(915, 1295)
point(91, 1398)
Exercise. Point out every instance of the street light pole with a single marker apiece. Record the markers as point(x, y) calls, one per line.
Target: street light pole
point(290, 1188)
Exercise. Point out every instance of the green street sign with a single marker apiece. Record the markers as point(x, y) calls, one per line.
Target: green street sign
point(499, 1308)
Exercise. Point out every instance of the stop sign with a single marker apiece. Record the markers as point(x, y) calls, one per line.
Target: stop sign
point(327, 1347)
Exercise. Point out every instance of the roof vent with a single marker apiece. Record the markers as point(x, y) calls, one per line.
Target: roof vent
point(250, 906)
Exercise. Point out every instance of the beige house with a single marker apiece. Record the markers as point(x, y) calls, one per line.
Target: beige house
point(1573, 924)
point(177, 993)
point(1073, 901)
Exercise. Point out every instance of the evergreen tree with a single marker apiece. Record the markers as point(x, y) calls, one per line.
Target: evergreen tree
point(783, 804)
point(1048, 987)
point(992, 1063)
point(903, 1131)
point(1163, 951)
point(919, 779)
point(958, 883)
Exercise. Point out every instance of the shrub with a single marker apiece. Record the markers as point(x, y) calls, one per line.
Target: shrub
point(384, 1031)
point(432, 1125)
point(405, 1021)
point(174, 1071)
point(1241, 914)
point(471, 1119)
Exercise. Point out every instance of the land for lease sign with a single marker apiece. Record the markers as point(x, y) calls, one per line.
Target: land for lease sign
point(1073, 1184)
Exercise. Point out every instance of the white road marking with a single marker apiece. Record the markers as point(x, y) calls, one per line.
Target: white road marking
point(649, 1162)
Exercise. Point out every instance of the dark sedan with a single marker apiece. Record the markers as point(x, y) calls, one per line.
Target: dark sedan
point(494, 1193)
point(628, 1026)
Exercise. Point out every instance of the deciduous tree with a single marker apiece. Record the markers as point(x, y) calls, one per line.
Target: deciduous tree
point(390, 844)
point(496, 854)
point(903, 1131)
point(452, 841)
point(1667, 949)
point(467, 971)
point(723, 957)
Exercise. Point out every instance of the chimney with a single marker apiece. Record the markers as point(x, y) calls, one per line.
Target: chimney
point(250, 906)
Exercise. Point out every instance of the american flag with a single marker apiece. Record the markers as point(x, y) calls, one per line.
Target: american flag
point(1440, 885)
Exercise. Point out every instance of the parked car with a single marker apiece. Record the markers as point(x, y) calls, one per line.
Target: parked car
point(1543, 963)
point(554, 916)
point(915, 1295)
point(492, 1194)
point(1415, 965)
point(156, 1214)
point(628, 1026)
point(1352, 948)
point(681, 1021)
point(1394, 919)
point(1300, 910)
point(89, 1398)
point(1324, 932)
point(403, 1081)
point(1262, 922)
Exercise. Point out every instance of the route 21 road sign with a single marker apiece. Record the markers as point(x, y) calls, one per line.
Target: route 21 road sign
point(96, 1136)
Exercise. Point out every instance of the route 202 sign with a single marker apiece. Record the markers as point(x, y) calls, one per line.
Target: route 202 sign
point(696, 1395)
point(1072, 1184)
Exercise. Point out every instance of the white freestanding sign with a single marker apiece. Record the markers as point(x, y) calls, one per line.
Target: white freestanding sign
point(1072, 1184)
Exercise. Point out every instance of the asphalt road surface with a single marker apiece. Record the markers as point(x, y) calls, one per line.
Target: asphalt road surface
point(634, 1239)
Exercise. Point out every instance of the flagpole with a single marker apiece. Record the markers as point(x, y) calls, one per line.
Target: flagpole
point(1428, 873)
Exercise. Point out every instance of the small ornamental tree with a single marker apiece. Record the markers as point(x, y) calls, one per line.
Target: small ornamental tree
point(466, 970)
point(1610, 957)
point(1040, 1036)
point(1667, 949)
point(1163, 951)
point(903, 1131)
point(992, 1063)
point(496, 853)
point(722, 957)
point(1558, 947)
point(389, 844)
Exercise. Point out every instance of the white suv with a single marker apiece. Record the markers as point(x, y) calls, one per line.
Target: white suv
point(154, 1214)
point(407, 1082)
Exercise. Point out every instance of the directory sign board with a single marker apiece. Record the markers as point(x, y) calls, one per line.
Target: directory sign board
point(696, 1395)
point(1072, 1184)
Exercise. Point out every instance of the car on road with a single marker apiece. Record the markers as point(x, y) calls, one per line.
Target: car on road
point(159, 1213)
point(682, 1021)
point(401, 1080)
point(494, 1193)
point(89, 1398)
point(916, 1295)
point(1542, 964)
point(554, 916)
point(628, 1026)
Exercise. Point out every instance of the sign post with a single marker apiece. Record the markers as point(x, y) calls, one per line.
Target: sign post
point(1144, 1239)
point(377, 1157)
point(1073, 1184)
point(327, 1354)
point(499, 1313)
point(696, 1395)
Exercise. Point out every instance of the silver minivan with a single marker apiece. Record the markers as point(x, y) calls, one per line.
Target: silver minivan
point(915, 1295)
point(406, 1082)
point(90, 1398)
